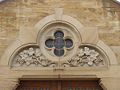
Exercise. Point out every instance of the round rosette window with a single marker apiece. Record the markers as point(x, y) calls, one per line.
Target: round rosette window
point(59, 41)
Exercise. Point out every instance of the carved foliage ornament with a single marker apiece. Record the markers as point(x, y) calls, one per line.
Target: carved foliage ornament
point(32, 56)
point(86, 56)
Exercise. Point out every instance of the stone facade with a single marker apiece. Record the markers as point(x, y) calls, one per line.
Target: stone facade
point(18, 17)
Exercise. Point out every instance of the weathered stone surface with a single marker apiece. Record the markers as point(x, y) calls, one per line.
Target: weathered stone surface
point(16, 13)
point(116, 49)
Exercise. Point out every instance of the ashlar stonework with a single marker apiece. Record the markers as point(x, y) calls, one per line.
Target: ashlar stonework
point(92, 26)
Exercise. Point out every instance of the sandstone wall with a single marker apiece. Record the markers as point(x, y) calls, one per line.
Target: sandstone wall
point(98, 13)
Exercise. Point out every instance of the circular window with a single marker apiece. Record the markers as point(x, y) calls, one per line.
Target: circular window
point(58, 43)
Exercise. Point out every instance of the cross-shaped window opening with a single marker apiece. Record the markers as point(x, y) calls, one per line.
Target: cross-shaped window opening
point(59, 43)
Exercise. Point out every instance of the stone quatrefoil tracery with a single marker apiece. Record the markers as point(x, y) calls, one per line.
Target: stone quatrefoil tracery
point(59, 43)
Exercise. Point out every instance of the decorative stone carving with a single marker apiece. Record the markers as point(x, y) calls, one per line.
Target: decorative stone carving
point(32, 57)
point(86, 56)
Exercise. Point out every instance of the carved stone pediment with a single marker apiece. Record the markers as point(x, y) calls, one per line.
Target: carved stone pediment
point(86, 56)
point(31, 56)
point(60, 42)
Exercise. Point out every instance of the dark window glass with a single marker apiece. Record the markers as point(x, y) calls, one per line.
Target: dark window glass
point(68, 43)
point(49, 43)
point(59, 34)
point(59, 43)
point(58, 52)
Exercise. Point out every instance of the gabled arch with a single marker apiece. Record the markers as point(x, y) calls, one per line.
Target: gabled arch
point(85, 34)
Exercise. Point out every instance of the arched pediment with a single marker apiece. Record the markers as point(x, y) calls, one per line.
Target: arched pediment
point(87, 50)
point(88, 56)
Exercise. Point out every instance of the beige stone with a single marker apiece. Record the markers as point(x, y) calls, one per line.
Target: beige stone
point(23, 22)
